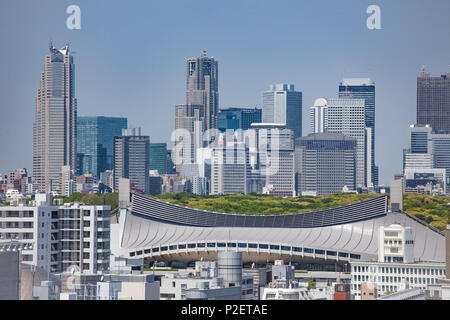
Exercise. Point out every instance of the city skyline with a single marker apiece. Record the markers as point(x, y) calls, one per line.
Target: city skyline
point(395, 110)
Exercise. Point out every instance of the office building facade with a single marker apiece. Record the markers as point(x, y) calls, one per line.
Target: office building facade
point(282, 104)
point(275, 158)
point(433, 102)
point(238, 118)
point(347, 116)
point(132, 159)
point(363, 88)
point(54, 129)
point(325, 163)
point(95, 143)
point(158, 157)
point(427, 149)
point(229, 170)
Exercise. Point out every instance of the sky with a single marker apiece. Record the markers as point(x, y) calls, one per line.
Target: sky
point(130, 59)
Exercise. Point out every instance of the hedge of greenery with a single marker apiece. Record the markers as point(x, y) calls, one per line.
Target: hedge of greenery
point(111, 199)
point(262, 204)
point(434, 210)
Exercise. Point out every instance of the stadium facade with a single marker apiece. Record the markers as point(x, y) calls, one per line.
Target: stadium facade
point(166, 232)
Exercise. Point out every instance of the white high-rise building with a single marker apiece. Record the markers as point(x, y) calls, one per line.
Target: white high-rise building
point(282, 104)
point(229, 169)
point(347, 116)
point(276, 161)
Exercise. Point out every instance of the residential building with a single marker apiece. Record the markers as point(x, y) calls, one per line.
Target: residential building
point(282, 104)
point(325, 163)
point(54, 129)
point(433, 101)
point(132, 159)
point(95, 143)
point(55, 237)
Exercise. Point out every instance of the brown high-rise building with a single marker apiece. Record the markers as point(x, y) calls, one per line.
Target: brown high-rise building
point(202, 87)
point(54, 141)
point(433, 101)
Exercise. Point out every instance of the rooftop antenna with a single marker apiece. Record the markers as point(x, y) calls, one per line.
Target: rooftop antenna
point(204, 53)
point(422, 72)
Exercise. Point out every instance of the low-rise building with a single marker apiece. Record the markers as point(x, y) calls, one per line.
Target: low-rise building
point(395, 269)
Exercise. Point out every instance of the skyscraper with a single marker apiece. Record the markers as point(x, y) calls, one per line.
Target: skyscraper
point(54, 129)
point(202, 87)
point(433, 101)
point(275, 153)
point(347, 116)
point(325, 163)
point(282, 104)
point(132, 159)
point(95, 143)
point(228, 169)
point(158, 157)
point(191, 119)
point(363, 88)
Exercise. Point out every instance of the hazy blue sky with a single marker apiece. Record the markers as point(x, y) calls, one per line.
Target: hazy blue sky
point(130, 59)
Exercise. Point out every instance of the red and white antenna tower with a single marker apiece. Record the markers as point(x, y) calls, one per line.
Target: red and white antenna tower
point(204, 53)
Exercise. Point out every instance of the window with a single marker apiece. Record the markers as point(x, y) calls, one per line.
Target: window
point(211, 245)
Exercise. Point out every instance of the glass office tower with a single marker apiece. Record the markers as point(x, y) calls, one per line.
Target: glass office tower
point(95, 143)
point(238, 118)
point(158, 157)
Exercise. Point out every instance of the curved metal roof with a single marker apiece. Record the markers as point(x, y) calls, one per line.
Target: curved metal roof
point(151, 229)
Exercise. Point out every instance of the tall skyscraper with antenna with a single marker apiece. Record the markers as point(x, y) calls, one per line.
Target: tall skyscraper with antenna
point(202, 87)
point(54, 129)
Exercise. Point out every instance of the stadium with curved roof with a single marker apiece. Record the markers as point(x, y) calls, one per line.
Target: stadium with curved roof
point(162, 231)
